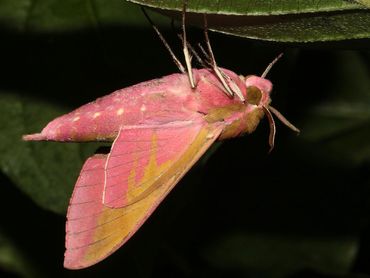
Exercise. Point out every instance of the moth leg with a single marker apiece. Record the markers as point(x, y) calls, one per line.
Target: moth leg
point(231, 83)
point(187, 56)
point(177, 61)
point(212, 59)
point(192, 50)
point(204, 53)
point(204, 64)
point(230, 87)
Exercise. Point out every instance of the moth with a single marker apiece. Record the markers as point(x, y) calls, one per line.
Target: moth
point(159, 129)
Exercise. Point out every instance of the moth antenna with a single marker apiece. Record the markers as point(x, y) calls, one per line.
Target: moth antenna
point(215, 68)
point(272, 134)
point(177, 61)
point(185, 48)
point(283, 119)
point(271, 65)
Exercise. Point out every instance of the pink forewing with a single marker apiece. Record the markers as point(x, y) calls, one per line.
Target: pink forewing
point(140, 155)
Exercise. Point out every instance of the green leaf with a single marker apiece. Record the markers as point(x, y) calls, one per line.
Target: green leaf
point(282, 256)
point(55, 15)
point(275, 20)
point(364, 2)
point(251, 7)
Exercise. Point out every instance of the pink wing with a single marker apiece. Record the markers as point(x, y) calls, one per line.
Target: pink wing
point(139, 157)
point(94, 231)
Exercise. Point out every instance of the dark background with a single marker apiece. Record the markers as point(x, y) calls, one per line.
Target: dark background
point(301, 211)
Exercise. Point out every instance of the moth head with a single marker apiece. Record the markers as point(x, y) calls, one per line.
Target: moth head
point(258, 90)
point(258, 95)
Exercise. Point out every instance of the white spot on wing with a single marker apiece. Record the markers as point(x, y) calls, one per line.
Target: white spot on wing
point(96, 114)
point(75, 119)
point(120, 111)
point(143, 108)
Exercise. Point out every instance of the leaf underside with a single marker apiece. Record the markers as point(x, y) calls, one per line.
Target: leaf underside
point(283, 21)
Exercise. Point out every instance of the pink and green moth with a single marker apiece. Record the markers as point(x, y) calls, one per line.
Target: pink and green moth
point(159, 129)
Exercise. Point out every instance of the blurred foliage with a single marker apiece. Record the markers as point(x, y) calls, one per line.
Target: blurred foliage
point(364, 2)
point(12, 258)
point(256, 254)
point(302, 211)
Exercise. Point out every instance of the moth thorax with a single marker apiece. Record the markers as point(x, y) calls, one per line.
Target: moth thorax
point(254, 95)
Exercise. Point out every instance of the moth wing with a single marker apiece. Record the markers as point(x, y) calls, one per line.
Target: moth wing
point(142, 157)
point(93, 230)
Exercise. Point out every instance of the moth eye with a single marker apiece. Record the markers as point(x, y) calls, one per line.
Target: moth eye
point(254, 95)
